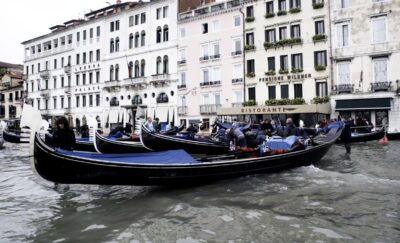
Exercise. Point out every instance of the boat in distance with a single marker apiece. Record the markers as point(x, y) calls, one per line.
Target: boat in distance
point(167, 168)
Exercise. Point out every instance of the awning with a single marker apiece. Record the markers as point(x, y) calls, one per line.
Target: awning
point(363, 104)
point(280, 109)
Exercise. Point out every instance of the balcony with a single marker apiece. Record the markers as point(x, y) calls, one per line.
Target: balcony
point(181, 62)
point(182, 110)
point(210, 83)
point(236, 53)
point(182, 86)
point(67, 69)
point(237, 80)
point(237, 104)
point(135, 82)
point(204, 58)
point(380, 86)
point(45, 93)
point(160, 79)
point(114, 103)
point(112, 84)
point(216, 56)
point(209, 109)
point(45, 74)
point(344, 88)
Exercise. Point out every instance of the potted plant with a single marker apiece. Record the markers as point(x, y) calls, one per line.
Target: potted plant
point(269, 15)
point(295, 10)
point(283, 71)
point(268, 44)
point(270, 73)
point(250, 19)
point(250, 75)
point(318, 5)
point(319, 37)
point(281, 12)
point(320, 68)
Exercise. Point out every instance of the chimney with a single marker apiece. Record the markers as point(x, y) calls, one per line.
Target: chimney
point(118, 1)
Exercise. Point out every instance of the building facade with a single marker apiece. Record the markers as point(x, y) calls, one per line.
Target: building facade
point(210, 61)
point(365, 44)
point(286, 48)
point(11, 91)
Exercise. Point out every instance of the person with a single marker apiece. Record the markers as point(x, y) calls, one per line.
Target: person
point(236, 135)
point(63, 136)
point(290, 128)
point(117, 132)
point(345, 137)
point(192, 129)
point(149, 124)
point(156, 125)
point(84, 131)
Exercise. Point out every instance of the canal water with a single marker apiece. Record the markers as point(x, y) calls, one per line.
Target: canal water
point(343, 198)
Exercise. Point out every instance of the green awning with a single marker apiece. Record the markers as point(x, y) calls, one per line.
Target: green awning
point(363, 104)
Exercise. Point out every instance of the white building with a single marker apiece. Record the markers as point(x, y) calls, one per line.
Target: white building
point(365, 42)
point(210, 61)
point(139, 60)
point(286, 49)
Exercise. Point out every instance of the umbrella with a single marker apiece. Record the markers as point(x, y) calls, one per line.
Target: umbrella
point(107, 122)
point(173, 117)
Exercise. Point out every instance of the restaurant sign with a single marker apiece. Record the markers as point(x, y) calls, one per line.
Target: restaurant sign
point(283, 109)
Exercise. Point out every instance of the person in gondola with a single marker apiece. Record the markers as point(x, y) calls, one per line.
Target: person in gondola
point(290, 128)
point(84, 130)
point(236, 136)
point(63, 136)
point(149, 124)
point(156, 124)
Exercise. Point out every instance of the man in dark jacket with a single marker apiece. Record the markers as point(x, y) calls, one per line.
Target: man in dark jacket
point(290, 128)
point(63, 136)
point(345, 137)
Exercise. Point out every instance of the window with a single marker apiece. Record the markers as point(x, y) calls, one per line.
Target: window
point(342, 35)
point(343, 69)
point(204, 49)
point(206, 99)
point(237, 46)
point(69, 102)
point(270, 35)
point(158, 13)
point(250, 11)
point(182, 55)
point(91, 33)
point(165, 65)
point(239, 96)
point(55, 63)
point(98, 31)
point(158, 65)
point(117, 44)
point(142, 68)
point(284, 61)
point(162, 98)
point(62, 82)
point(111, 26)
point(165, 33)
point(380, 70)
point(378, 30)
point(55, 103)
point(77, 59)
point(137, 39)
point(236, 21)
point(205, 75)
point(137, 69)
point(216, 49)
point(83, 78)
point(97, 76)
point(319, 27)
point(117, 25)
point(76, 79)
point(271, 63)
point(137, 19)
point(90, 100)
point(270, 7)
point(282, 5)
point(297, 61)
point(158, 35)
point(112, 46)
point(97, 100)
point(294, 4)
point(271, 92)
point(78, 36)
point(182, 32)
point(183, 78)
point(237, 71)
point(250, 38)
point(295, 31)
point(205, 28)
point(84, 100)
point(98, 55)
point(143, 38)
point(90, 78)
point(117, 72)
point(283, 33)
point(62, 102)
point(143, 18)
point(320, 58)
point(130, 43)
point(216, 25)
point(284, 91)
point(84, 58)
point(69, 81)
point(217, 98)
point(216, 75)
point(342, 4)
point(298, 90)
point(165, 11)
point(321, 89)
point(251, 66)
point(111, 73)
point(381, 118)
point(252, 93)
point(130, 21)
point(84, 35)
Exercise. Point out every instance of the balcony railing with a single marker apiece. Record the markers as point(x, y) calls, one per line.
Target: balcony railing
point(237, 80)
point(160, 77)
point(182, 110)
point(204, 58)
point(134, 81)
point(181, 62)
point(209, 109)
point(182, 86)
point(216, 56)
point(210, 83)
point(380, 86)
point(67, 69)
point(344, 88)
point(237, 104)
point(114, 103)
point(45, 93)
point(236, 53)
point(111, 84)
point(45, 74)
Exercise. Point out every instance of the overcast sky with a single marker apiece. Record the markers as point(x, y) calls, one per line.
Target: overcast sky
point(22, 20)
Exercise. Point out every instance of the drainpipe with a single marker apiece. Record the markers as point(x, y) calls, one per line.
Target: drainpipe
point(330, 43)
point(244, 53)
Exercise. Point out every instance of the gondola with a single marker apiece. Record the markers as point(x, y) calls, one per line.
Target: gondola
point(112, 145)
point(369, 136)
point(167, 168)
point(15, 136)
point(393, 135)
point(160, 142)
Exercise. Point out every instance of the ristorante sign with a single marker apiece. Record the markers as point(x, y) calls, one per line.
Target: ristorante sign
point(267, 110)
point(282, 109)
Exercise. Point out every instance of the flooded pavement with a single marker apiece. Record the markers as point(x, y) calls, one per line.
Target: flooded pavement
point(343, 198)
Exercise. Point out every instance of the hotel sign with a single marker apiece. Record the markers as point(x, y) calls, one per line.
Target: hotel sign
point(291, 77)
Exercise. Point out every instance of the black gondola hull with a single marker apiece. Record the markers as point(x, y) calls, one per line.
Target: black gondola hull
point(60, 168)
point(84, 146)
point(393, 136)
point(14, 138)
point(108, 146)
point(160, 142)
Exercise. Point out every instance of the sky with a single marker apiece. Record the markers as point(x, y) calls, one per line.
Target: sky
point(21, 20)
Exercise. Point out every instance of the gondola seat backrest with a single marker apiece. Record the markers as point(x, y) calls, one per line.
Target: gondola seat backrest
point(283, 145)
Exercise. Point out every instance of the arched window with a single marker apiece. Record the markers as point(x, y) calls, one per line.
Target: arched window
point(130, 67)
point(116, 72)
point(143, 38)
point(142, 68)
point(137, 100)
point(130, 41)
point(165, 65)
point(162, 98)
point(117, 44)
point(158, 65)
point(165, 33)
point(158, 35)
point(111, 72)
point(111, 45)
point(136, 39)
point(114, 101)
point(136, 69)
